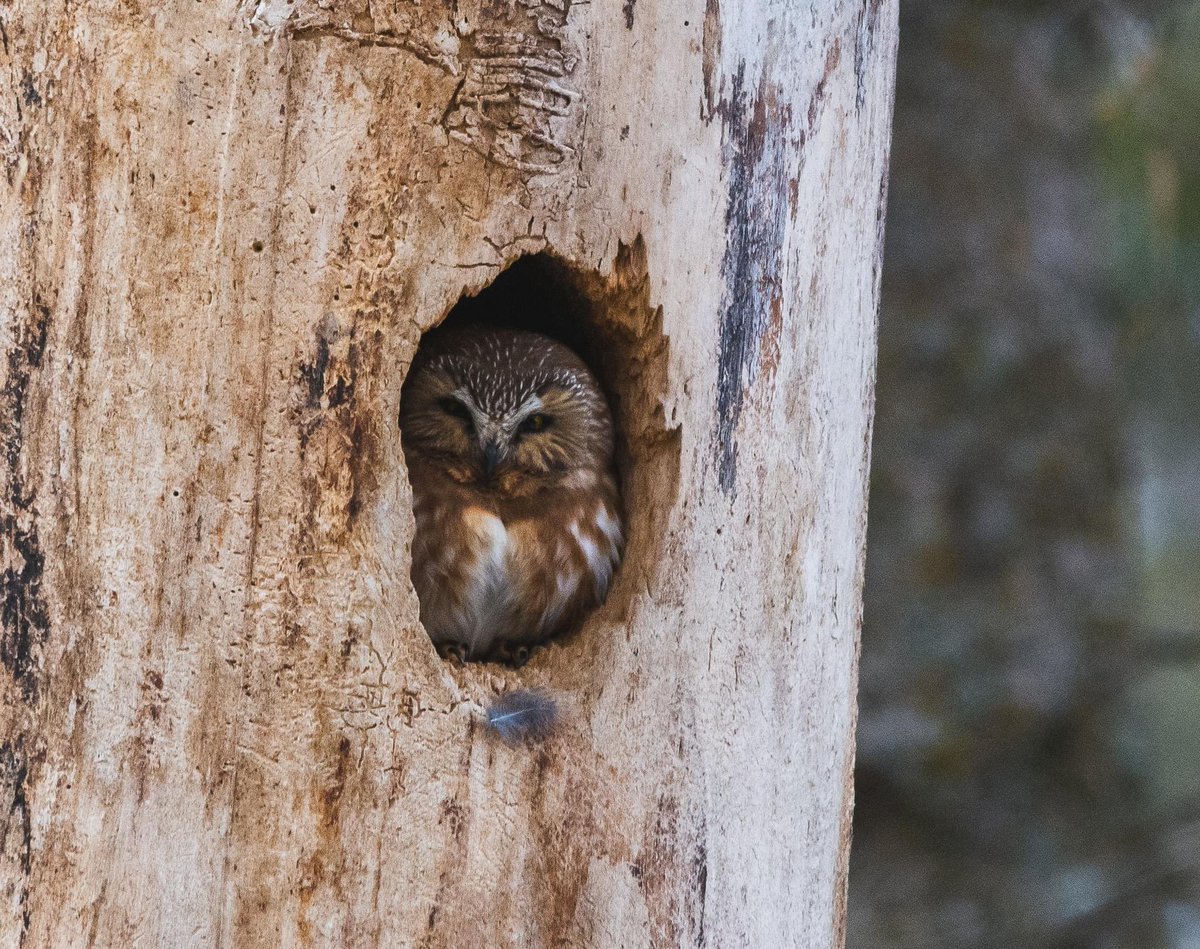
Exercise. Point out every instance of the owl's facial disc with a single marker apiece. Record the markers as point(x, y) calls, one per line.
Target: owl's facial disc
point(502, 437)
point(497, 416)
point(535, 437)
point(492, 438)
point(487, 437)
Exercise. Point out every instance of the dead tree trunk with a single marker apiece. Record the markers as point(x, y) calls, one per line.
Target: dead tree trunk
point(223, 229)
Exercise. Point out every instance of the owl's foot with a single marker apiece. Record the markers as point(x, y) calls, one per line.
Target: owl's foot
point(455, 651)
point(510, 655)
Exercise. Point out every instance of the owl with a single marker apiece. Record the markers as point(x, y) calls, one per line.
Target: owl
point(509, 446)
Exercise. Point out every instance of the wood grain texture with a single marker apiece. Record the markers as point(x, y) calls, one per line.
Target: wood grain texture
point(223, 229)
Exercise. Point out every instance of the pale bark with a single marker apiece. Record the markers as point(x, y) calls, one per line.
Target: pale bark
point(222, 230)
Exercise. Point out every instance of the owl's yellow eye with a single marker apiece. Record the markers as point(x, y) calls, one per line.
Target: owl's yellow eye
point(535, 423)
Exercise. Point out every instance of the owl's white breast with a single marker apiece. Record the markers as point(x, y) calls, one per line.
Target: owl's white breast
point(517, 582)
point(486, 599)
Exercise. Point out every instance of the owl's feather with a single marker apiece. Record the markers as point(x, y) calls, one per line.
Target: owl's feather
point(523, 715)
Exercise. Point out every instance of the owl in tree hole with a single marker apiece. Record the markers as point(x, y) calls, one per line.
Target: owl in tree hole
point(509, 446)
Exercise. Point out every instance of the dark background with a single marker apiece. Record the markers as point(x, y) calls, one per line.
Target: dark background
point(1029, 741)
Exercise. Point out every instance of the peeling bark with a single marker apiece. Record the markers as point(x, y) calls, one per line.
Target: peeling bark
point(225, 227)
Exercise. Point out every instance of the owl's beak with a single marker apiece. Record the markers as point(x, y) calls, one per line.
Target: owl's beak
point(492, 456)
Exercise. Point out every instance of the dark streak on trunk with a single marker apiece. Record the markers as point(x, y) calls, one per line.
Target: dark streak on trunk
point(338, 426)
point(327, 383)
point(29, 91)
point(627, 9)
point(711, 58)
point(880, 232)
point(312, 374)
point(755, 223)
point(700, 872)
point(24, 619)
point(864, 39)
point(675, 838)
point(760, 199)
point(14, 768)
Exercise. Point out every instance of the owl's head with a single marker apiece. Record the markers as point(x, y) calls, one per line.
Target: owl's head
point(497, 401)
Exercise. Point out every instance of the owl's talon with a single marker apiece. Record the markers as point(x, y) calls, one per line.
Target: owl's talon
point(456, 651)
point(515, 656)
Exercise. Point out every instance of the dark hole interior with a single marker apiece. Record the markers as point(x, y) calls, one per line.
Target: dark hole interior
point(538, 293)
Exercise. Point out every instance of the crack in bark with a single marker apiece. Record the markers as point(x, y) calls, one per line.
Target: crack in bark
point(410, 42)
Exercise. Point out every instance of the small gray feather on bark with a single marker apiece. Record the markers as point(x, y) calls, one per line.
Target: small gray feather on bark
point(523, 715)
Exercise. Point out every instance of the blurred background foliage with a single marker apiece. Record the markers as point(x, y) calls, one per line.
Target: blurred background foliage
point(1029, 741)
